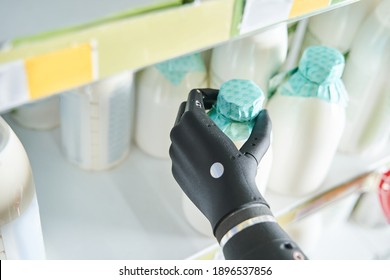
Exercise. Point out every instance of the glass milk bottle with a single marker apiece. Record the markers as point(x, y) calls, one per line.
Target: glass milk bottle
point(255, 58)
point(338, 28)
point(96, 122)
point(366, 78)
point(238, 104)
point(20, 224)
point(160, 91)
point(308, 117)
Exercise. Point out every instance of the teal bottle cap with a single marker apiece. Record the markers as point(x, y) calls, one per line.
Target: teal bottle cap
point(238, 104)
point(321, 64)
point(176, 69)
point(318, 75)
point(240, 100)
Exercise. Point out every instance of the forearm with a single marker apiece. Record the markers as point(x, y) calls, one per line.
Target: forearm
point(253, 233)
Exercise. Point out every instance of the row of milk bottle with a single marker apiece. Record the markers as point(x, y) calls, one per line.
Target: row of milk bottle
point(260, 57)
point(161, 88)
point(98, 120)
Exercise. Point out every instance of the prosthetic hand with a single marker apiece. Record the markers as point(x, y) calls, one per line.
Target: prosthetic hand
point(220, 181)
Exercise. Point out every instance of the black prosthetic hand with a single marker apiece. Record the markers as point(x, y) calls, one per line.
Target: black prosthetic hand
point(220, 181)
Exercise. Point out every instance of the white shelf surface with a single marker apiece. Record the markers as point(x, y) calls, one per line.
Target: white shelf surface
point(134, 210)
point(130, 212)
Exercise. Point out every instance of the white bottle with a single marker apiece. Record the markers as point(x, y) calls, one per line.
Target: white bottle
point(255, 58)
point(308, 117)
point(338, 27)
point(160, 91)
point(96, 122)
point(367, 80)
point(20, 224)
point(238, 104)
point(40, 115)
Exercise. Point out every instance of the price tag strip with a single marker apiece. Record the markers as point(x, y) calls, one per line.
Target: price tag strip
point(262, 13)
point(301, 7)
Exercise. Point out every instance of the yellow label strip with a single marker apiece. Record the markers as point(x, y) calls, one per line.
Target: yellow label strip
point(59, 70)
point(301, 7)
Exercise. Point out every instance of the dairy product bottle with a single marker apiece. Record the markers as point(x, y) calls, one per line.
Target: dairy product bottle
point(160, 91)
point(366, 79)
point(255, 58)
point(308, 118)
point(338, 27)
point(39, 115)
point(238, 104)
point(96, 122)
point(20, 224)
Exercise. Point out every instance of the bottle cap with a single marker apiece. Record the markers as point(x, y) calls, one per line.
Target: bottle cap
point(240, 100)
point(318, 75)
point(238, 104)
point(176, 69)
point(321, 64)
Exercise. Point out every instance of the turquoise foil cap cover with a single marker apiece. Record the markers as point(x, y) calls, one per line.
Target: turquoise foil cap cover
point(238, 104)
point(319, 76)
point(176, 69)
